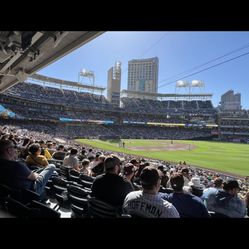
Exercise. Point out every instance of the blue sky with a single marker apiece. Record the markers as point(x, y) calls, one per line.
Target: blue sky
point(177, 52)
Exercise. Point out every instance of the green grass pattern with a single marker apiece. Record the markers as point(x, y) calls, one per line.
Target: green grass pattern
point(227, 157)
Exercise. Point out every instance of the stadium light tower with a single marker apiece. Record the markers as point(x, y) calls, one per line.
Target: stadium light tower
point(189, 85)
point(86, 74)
point(181, 84)
point(197, 83)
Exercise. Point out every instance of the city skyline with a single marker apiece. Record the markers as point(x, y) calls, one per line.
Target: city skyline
point(219, 59)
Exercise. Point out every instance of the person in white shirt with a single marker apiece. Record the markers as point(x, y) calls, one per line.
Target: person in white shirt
point(72, 160)
point(147, 203)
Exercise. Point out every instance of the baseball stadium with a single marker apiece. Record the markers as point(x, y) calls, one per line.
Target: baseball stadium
point(84, 155)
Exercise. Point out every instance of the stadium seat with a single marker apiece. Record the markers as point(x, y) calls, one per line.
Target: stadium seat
point(24, 196)
point(57, 163)
point(86, 178)
point(74, 173)
point(27, 196)
point(85, 184)
point(74, 178)
point(60, 192)
point(49, 189)
point(101, 209)
point(43, 211)
point(79, 202)
point(5, 191)
point(64, 171)
point(18, 209)
point(78, 191)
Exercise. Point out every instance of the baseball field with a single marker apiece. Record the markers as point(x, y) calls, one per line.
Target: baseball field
point(224, 157)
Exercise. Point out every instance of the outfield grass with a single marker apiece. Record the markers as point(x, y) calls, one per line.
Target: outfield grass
point(227, 157)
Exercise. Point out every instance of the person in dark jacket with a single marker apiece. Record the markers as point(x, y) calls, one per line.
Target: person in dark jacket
point(17, 175)
point(226, 201)
point(110, 187)
point(187, 204)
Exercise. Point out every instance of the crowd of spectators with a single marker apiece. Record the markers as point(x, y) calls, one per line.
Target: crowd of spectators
point(137, 186)
point(35, 101)
point(166, 106)
point(140, 187)
point(56, 95)
point(92, 130)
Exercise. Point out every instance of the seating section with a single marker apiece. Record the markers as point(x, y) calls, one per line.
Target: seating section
point(60, 104)
point(167, 107)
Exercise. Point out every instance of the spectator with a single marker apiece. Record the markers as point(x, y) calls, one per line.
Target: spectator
point(139, 170)
point(82, 156)
point(50, 148)
point(72, 160)
point(165, 178)
point(25, 148)
point(18, 175)
point(85, 170)
point(44, 150)
point(135, 162)
point(226, 201)
point(129, 173)
point(96, 160)
point(195, 187)
point(110, 187)
point(208, 191)
point(98, 169)
point(60, 153)
point(186, 176)
point(147, 203)
point(188, 205)
point(35, 158)
point(90, 154)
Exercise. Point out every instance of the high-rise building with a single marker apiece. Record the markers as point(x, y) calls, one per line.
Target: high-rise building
point(113, 84)
point(143, 75)
point(230, 101)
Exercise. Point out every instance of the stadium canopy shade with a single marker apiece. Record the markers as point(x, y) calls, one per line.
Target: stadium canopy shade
point(23, 53)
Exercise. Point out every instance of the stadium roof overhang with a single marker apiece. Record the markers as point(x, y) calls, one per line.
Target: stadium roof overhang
point(22, 53)
point(165, 95)
point(49, 80)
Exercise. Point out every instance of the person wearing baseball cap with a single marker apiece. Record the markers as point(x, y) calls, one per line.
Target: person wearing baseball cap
point(110, 187)
point(226, 201)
